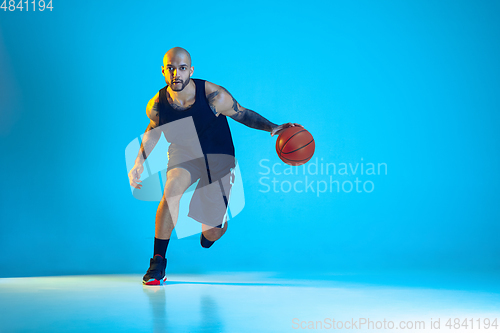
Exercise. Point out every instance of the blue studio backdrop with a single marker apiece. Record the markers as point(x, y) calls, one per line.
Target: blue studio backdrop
point(401, 98)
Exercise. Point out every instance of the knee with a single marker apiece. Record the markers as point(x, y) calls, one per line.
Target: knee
point(214, 234)
point(173, 191)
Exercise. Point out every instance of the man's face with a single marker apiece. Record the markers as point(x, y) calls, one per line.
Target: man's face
point(177, 71)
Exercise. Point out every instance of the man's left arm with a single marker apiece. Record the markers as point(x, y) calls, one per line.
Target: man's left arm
point(222, 102)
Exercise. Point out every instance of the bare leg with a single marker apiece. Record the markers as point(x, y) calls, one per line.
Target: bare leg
point(212, 233)
point(178, 181)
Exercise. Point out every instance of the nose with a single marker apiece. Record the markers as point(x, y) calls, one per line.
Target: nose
point(176, 73)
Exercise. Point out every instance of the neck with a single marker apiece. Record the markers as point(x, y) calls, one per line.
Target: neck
point(186, 94)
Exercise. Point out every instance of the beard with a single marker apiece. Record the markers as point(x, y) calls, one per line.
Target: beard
point(183, 85)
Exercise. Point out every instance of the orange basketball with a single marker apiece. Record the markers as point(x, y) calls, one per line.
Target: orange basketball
point(295, 145)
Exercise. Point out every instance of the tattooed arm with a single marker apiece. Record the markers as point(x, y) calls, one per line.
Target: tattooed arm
point(222, 102)
point(149, 141)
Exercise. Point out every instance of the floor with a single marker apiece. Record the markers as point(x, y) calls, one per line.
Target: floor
point(251, 302)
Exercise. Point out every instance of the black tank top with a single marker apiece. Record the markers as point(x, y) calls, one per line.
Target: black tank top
point(213, 132)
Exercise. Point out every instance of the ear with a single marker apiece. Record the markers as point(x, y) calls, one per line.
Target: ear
point(191, 70)
point(162, 70)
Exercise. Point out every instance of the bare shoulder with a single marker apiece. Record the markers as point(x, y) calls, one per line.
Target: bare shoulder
point(152, 109)
point(219, 99)
point(210, 87)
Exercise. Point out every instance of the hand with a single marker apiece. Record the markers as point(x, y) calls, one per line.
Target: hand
point(278, 129)
point(134, 175)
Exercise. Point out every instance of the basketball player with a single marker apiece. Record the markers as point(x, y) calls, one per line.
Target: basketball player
point(208, 105)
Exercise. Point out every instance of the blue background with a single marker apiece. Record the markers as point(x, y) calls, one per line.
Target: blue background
point(411, 84)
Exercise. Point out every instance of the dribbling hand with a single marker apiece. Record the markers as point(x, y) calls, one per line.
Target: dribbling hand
point(278, 129)
point(134, 175)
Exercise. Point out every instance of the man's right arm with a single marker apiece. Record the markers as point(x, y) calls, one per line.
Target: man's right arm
point(152, 133)
point(149, 141)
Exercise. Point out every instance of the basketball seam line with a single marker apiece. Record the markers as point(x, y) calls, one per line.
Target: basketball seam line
point(298, 148)
point(305, 159)
point(281, 150)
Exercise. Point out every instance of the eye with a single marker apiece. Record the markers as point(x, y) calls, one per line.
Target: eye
point(183, 68)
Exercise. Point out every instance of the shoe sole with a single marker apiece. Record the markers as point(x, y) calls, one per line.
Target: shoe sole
point(154, 282)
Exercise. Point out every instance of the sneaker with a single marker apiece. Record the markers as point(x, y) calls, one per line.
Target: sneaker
point(156, 273)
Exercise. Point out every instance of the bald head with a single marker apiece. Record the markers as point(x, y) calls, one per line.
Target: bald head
point(177, 68)
point(177, 54)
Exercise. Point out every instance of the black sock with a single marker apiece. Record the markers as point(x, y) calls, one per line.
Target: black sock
point(205, 242)
point(161, 247)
